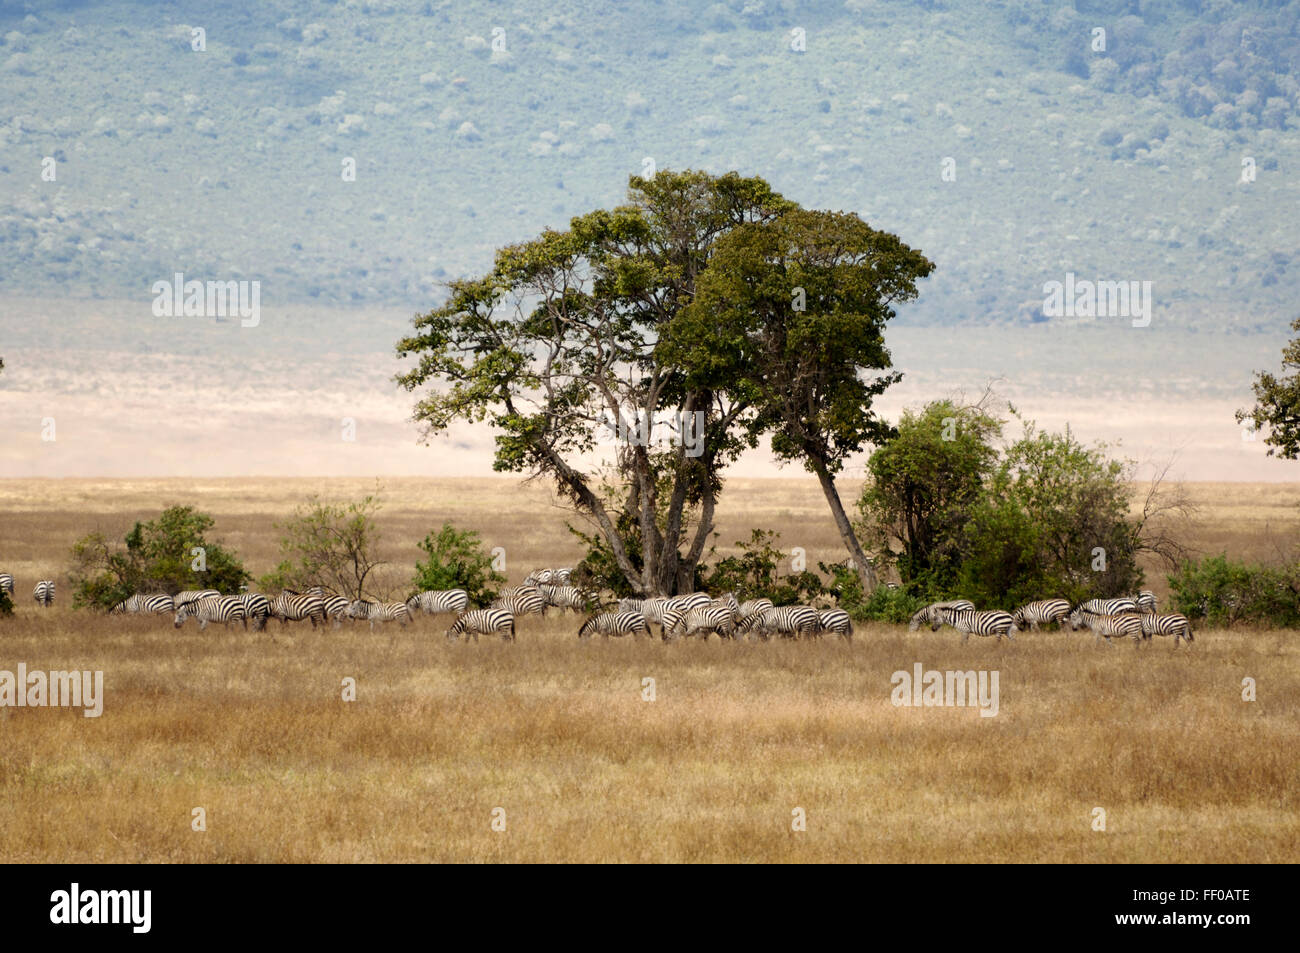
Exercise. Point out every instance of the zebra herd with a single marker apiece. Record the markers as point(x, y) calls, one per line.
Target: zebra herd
point(1137, 617)
point(695, 614)
point(43, 592)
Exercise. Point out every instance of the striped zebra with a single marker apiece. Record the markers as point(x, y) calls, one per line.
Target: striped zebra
point(968, 621)
point(159, 602)
point(256, 607)
point(701, 620)
point(1108, 606)
point(43, 593)
point(478, 622)
point(521, 601)
point(7, 583)
point(783, 620)
point(189, 595)
point(434, 601)
point(927, 615)
point(1105, 626)
point(1146, 601)
point(336, 608)
point(615, 623)
point(653, 608)
point(565, 597)
point(1032, 615)
point(751, 606)
point(291, 606)
point(837, 621)
point(549, 577)
point(1169, 623)
point(380, 612)
point(224, 609)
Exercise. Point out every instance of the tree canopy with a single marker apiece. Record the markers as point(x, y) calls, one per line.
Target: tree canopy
point(1277, 403)
point(708, 307)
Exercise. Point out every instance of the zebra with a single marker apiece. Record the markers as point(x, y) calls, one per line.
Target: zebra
point(433, 602)
point(1042, 612)
point(484, 621)
point(44, 593)
point(927, 615)
point(189, 595)
point(7, 583)
point(549, 577)
point(1108, 606)
point(290, 606)
point(224, 609)
point(618, 623)
point(521, 601)
point(989, 622)
point(336, 608)
point(1108, 626)
point(565, 597)
point(751, 606)
point(703, 620)
point(160, 602)
point(380, 612)
point(1170, 623)
point(257, 608)
point(1146, 601)
point(783, 620)
point(837, 621)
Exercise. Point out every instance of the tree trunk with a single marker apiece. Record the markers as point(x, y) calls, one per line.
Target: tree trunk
point(866, 574)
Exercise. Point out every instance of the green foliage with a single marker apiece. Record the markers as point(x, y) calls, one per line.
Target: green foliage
point(888, 605)
point(157, 556)
point(328, 544)
point(1225, 592)
point(6, 604)
point(1277, 404)
point(922, 486)
point(457, 560)
point(755, 573)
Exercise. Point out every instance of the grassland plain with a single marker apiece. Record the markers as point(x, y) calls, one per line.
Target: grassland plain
point(252, 727)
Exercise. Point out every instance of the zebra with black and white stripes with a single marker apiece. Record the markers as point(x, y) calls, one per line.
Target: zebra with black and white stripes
point(257, 608)
point(1108, 626)
point(43, 593)
point(290, 606)
point(189, 595)
point(158, 602)
point(751, 607)
point(1044, 611)
point(437, 601)
point(336, 608)
point(976, 622)
point(1167, 623)
point(1108, 606)
point(837, 621)
point(1146, 601)
point(478, 622)
point(224, 609)
point(380, 612)
point(7, 583)
point(521, 601)
point(702, 620)
point(790, 621)
point(620, 623)
point(565, 597)
point(927, 615)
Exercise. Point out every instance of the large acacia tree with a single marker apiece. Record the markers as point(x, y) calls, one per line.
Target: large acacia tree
point(627, 316)
point(1277, 403)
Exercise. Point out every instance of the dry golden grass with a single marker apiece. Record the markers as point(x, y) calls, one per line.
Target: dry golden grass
point(253, 728)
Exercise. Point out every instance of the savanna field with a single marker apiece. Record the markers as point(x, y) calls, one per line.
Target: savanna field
point(556, 733)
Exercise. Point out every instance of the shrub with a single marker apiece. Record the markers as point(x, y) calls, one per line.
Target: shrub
point(1225, 592)
point(457, 560)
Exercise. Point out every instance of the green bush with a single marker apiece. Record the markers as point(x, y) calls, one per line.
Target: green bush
point(1224, 592)
point(6, 604)
point(457, 560)
point(888, 605)
point(167, 554)
point(755, 573)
